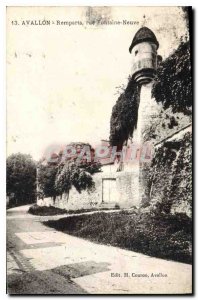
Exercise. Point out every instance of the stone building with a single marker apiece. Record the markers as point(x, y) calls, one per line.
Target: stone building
point(125, 184)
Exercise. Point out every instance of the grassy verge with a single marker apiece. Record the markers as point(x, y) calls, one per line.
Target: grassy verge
point(53, 211)
point(161, 236)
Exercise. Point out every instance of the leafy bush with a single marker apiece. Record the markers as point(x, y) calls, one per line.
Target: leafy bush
point(74, 174)
point(45, 210)
point(117, 206)
point(52, 211)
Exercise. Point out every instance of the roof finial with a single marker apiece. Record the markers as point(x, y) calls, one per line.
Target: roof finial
point(144, 20)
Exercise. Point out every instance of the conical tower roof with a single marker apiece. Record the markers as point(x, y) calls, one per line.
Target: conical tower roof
point(144, 34)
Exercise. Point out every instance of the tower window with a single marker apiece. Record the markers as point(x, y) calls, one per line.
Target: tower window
point(136, 52)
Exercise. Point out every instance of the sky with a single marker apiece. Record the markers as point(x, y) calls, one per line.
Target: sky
point(62, 80)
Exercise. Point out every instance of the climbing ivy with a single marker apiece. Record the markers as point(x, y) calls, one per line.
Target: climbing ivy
point(171, 175)
point(124, 114)
point(173, 85)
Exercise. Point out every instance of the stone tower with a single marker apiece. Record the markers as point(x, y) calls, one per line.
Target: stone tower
point(144, 57)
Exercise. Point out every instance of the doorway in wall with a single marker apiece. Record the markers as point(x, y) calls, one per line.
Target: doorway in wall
point(109, 190)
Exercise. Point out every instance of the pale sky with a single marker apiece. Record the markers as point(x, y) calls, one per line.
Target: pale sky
point(61, 80)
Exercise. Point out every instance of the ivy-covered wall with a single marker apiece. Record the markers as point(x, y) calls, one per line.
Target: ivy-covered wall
point(171, 176)
point(171, 171)
point(173, 84)
point(167, 183)
point(172, 90)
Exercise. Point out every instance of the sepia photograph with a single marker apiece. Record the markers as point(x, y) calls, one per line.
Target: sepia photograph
point(99, 150)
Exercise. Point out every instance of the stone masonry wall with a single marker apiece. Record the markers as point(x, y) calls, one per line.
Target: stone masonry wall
point(125, 196)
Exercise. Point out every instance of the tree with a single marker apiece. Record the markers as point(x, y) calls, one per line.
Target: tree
point(57, 178)
point(21, 179)
point(76, 174)
point(46, 180)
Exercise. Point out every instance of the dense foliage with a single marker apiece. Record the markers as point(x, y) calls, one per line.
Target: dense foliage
point(53, 211)
point(21, 179)
point(73, 174)
point(181, 187)
point(124, 114)
point(171, 175)
point(173, 85)
point(45, 210)
point(46, 180)
point(165, 236)
point(75, 170)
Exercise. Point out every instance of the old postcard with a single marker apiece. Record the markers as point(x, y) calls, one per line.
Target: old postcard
point(99, 146)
